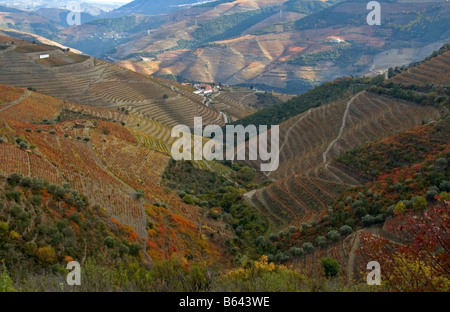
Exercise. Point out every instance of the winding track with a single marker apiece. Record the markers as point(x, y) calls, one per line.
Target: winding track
point(25, 95)
point(341, 130)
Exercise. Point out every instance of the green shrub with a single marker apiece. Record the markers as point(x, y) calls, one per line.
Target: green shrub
point(321, 241)
point(333, 235)
point(26, 182)
point(398, 187)
point(36, 200)
point(172, 185)
point(246, 174)
point(23, 145)
point(188, 199)
point(361, 211)
point(296, 251)
point(390, 210)
point(305, 225)
point(75, 217)
point(441, 162)
point(4, 228)
point(445, 186)
point(346, 230)
point(109, 242)
point(419, 203)
point(431, 193)
point(13, 195)
point(330, 267)
point(308, 247)
point(259, 240)
point(349, 200)
point(16, 211)
point(123, 249)
point(134, 249)
point(37, 184)
point(6, 284)
point(293, 229)
point(282, 257)
point(273, 237)
point(368, 220)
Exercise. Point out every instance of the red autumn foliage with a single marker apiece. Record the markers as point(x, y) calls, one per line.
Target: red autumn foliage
point(423, 262)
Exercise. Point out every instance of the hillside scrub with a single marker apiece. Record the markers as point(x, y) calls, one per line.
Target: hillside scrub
point(307, 7)
point(230, 25)
point(221, 199)
point(50, 224)
point(422, 95)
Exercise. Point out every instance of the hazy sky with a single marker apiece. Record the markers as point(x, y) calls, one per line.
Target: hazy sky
point(108, 1)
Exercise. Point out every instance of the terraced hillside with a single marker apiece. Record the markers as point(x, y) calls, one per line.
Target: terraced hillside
point(26, 21)
point(237, 103)
point(90, 149)
point(149, 133)
point(89, 81)
point(308, 178)
point(435, 70)
point(406, 178)
point(412, 167)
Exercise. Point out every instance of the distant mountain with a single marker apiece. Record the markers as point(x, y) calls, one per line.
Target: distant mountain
point(151, 7)
point(288, 47)
point(90, 7)
point(60, 16)
point(27, 22)
point(8, 9)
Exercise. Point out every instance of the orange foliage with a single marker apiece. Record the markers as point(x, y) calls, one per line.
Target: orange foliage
point(181, 222)
point(68, 259)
